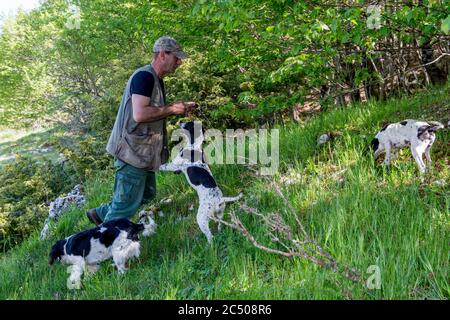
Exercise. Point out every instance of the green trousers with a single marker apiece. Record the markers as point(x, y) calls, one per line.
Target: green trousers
point(132, 188)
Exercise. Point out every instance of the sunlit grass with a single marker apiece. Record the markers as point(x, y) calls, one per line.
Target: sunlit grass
point(361, 213)
point(36, 143)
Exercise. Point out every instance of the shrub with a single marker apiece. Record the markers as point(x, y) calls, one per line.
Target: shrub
point(28, 187)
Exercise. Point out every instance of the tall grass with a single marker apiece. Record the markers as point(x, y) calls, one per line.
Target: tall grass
point(362, 214)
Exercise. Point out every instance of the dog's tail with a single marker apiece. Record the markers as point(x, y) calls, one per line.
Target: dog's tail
point(231, 199)
point(57, 251)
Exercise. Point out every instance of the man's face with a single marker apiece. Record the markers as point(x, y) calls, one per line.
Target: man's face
point(171, 62)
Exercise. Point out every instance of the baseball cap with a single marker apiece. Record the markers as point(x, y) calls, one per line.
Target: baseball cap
point(169, 44)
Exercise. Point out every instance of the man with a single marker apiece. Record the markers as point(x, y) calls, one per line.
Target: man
point(138, 140)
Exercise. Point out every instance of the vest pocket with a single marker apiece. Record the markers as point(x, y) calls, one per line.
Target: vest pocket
point(141, 151)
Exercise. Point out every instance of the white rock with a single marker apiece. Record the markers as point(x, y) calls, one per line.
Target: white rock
point(60, 205)
point(323, 138)
point(166, 200)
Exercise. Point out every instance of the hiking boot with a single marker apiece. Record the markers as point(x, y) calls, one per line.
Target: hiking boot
point(91, 214)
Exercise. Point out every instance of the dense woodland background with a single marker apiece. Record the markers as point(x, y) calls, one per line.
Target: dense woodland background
point(252, 61)
point(64, 65)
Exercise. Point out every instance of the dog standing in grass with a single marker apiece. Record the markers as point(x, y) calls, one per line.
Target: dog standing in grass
point(419, 136)
point(192, 163)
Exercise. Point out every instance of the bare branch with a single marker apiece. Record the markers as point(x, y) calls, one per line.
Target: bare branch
point(279, 232)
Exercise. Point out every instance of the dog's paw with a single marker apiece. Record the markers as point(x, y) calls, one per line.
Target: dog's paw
point(121, 270)
point(73, 284)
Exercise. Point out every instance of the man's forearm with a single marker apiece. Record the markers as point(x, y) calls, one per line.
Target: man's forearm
point(150, 114)
point(144, 112)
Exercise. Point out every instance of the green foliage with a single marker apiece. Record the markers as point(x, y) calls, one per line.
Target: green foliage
point(86, 155)
point(445, 27)
point(254, 48)
point(27, 189)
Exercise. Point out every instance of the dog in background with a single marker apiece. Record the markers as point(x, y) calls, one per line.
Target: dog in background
point(191, 161)
point(419, 136)
point(117, 239)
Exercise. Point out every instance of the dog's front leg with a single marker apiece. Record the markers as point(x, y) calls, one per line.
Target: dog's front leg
point(417, 154)
point(387, 159)
point(120, 260)
point(394, 154)
point(428, 156)
point(76, 271)
point(123, 254)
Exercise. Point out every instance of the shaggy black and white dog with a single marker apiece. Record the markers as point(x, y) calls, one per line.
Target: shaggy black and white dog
point(117, 239)
point(419, 136)
point(191, 162)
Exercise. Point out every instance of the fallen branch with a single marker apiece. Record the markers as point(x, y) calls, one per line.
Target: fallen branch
point(280, 232)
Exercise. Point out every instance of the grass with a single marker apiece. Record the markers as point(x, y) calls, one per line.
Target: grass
point(36, 143)
point(362, 214)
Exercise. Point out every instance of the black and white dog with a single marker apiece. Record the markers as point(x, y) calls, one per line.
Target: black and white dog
point(418, 135)
point(190, 160)
point(117, 239)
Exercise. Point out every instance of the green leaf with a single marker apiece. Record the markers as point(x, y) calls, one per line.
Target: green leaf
point(445, 26)
point(324, 26)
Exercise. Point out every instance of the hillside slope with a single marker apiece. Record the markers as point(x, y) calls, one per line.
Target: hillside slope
point(362, 215)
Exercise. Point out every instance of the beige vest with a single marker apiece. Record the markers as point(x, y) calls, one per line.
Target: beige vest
point(142, 145)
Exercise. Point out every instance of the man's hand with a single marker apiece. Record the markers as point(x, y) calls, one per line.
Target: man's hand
point(183, 107)
point(143, 112)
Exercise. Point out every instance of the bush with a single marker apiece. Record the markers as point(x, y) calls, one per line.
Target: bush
point(28, 187)
point(86, 154)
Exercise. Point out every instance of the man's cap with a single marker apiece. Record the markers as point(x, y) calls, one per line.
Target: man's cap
point(169, 44)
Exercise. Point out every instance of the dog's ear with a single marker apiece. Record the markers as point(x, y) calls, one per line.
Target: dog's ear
point(133, 231)
point(374, 144)
point(138, 227)
point(56, 252)
point(434, 126)
point(422, 132)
